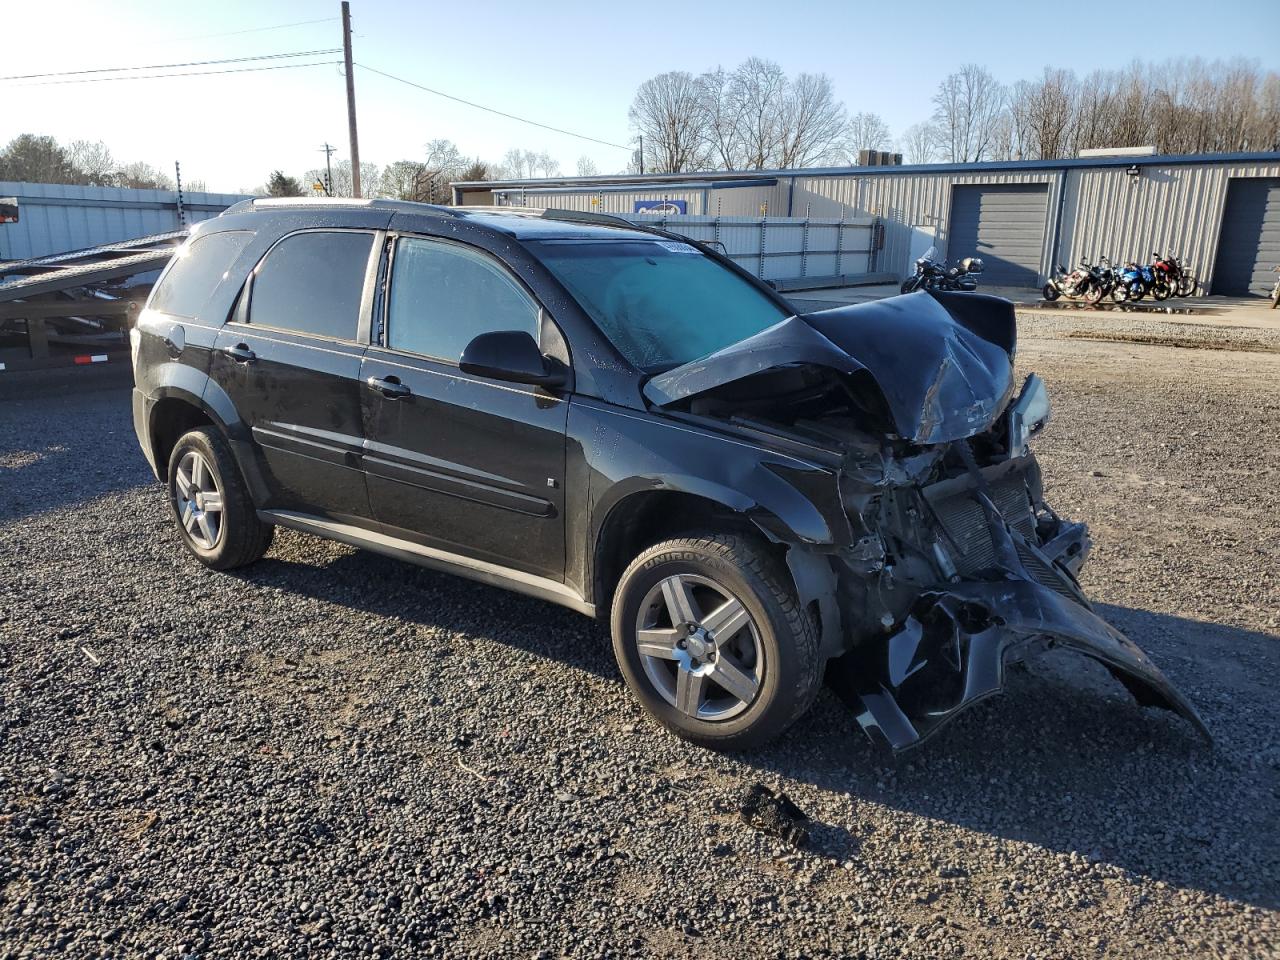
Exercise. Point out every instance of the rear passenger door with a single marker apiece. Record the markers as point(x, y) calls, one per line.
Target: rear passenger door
point(455, 461)
point(290, 361)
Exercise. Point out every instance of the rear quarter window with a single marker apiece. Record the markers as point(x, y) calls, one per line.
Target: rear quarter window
point(312, 283)
point(196, 271)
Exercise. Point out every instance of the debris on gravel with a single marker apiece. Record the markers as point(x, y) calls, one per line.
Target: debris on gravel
point(333, 754)
point(774, 813)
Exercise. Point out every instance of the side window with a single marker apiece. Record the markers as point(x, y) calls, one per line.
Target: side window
point(312, 283)
point(443, 295)
point(196, 272)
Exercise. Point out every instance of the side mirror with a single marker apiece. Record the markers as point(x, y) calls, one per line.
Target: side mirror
point(511, 355)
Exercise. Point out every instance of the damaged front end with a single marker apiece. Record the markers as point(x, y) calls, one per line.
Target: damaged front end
point(954, 565)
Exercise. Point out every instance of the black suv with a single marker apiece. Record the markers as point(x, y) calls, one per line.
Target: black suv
point(625, 422)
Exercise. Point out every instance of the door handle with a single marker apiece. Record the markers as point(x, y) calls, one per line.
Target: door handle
point(240, 353)
point(389, 387)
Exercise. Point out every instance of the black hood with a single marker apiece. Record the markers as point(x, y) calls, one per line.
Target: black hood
point(942, 362)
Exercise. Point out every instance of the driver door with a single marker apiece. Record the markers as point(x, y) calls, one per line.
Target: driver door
point(455, 461)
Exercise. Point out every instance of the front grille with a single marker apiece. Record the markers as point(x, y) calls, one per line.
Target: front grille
point(966, 524)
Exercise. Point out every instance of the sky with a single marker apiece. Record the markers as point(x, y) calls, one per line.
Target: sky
point(573, 65)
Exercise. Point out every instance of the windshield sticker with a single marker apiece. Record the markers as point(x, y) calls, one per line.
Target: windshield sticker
point(676, 247)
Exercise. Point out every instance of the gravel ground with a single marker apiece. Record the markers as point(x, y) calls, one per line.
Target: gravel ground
point(331, 753)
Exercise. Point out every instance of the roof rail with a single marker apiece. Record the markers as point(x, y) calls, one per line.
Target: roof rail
point(376, 203)
point(582, 216)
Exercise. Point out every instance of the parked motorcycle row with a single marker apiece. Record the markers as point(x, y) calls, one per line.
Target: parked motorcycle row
point(932, 273)
point(1164, 277)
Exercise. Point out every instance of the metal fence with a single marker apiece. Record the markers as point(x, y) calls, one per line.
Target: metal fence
point(795, 252)
point(53, 218)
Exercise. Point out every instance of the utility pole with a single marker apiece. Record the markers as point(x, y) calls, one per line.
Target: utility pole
point(351, 99)
point(328, 169)
point(177, 179)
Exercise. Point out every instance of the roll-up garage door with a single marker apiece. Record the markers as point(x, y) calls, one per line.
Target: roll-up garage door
point(1003, 224)
point(1249, 242)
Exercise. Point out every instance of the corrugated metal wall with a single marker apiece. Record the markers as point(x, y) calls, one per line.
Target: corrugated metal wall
point(1169, 210)
point(1090, 211)
point(910, 203)
point(54, 218)
point(749, 201)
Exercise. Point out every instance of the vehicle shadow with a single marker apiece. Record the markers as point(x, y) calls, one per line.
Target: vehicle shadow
point(1065, 760)
point(63, 449)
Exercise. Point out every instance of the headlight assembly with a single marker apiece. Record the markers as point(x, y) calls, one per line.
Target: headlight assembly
point(1027, 415)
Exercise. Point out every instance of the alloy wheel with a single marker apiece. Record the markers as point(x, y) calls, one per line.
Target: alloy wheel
point(199, 500)
point(699, 647)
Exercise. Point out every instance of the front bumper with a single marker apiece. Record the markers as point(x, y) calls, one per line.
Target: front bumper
point(1014, 594)
point(952, 650)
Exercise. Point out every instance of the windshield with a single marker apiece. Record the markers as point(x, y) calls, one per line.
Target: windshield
point(931, 255)
point(662, 303)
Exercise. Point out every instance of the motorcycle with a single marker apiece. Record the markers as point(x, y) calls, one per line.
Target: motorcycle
point(1174, 275)
point(1088, 282)
point(1134, 283)
point(932, 273)
point(1275, 291)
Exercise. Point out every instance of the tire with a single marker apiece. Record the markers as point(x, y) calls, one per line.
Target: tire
point(1092, 293)
point(773, 641)
point(1120, 293)
point(908, 285)
point(1275, 297)
point(1050, 292)
point(230, 535)
point(1161, 291)
point(1186, 286)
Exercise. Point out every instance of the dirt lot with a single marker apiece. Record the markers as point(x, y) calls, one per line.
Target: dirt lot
point(335, 754)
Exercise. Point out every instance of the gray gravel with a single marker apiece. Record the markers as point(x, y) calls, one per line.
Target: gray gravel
point(334, 754)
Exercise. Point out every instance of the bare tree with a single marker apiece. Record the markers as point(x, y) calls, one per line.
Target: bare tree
point(1043, 115)
point(341, 186)
point(142, 176)
point(867, 131)
point(93, 161)
point(811, 124)
point(720, 119)
point(756, 94)
point(665, 112)
point(405, 180)
point(919, 143)
point(968, 105)
point(587, 167)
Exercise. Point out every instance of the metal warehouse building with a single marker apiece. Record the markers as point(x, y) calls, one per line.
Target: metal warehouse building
point(1220, 213)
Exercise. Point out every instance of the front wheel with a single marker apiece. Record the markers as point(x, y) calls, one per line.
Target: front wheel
point(1186, 286)
point(209, 500)
point(1050, 292)
point(908, 285)
point(1120, 293)
point(1092, 293)
point(1275, 297)
point(712, 641)
point(1160, 291)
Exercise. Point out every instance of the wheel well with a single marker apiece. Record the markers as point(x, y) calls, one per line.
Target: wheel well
point(170, 419)
point(644, 519)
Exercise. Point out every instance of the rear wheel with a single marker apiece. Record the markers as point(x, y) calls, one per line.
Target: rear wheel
point(712, 641)
point(215, 516)
point(1186, 286)
point(1160, 290)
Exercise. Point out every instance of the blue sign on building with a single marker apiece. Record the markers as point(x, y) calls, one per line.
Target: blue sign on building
point(665, 207)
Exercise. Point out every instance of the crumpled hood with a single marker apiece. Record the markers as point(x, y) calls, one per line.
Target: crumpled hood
point(943, 362)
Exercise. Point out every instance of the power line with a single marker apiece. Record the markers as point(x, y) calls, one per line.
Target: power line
point(169, 66)
point(481, 106)
point(237, 33)
point(190, 73)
